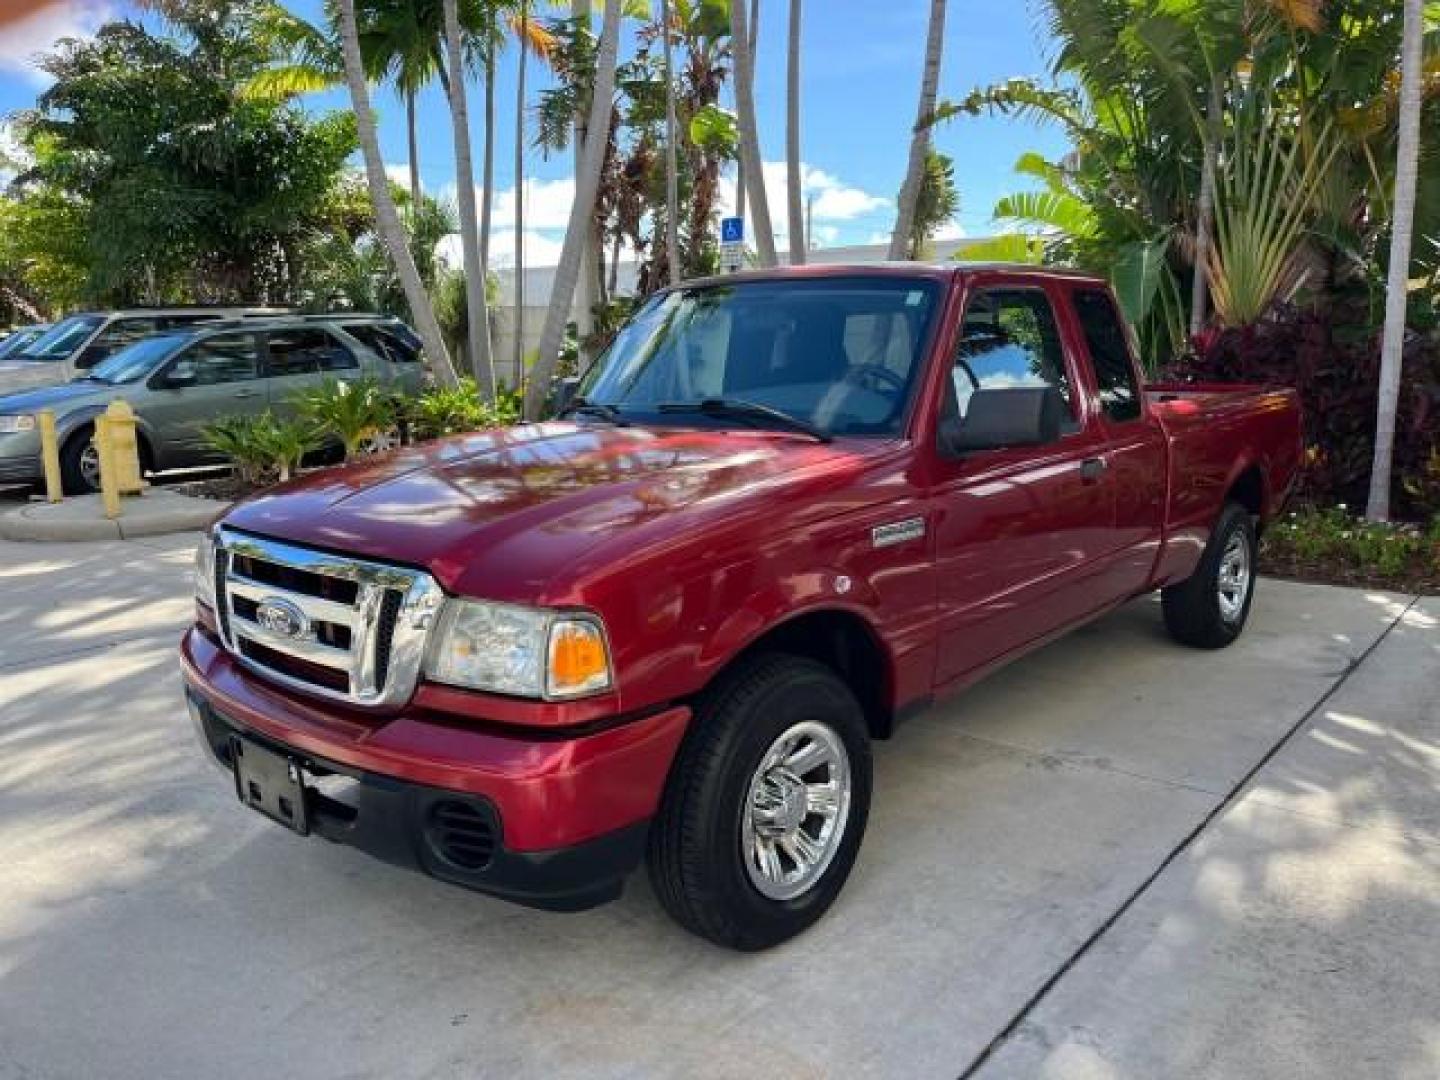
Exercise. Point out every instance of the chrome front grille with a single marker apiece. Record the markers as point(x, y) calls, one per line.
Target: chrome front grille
point(330, 625)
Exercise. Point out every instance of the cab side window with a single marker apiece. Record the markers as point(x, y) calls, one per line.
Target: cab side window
point(1010, 340)
point(307, 351)
point(225, 358)
point(1109, 350)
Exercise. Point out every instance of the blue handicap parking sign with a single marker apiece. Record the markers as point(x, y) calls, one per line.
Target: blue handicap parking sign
point(732, 230)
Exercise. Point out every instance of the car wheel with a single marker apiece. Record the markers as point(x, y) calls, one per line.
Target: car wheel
point(766, 805)
point(1209, 609)
point(80, 464)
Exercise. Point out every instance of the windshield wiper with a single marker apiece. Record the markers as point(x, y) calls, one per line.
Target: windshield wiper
point(748, 410)
point(594, 408)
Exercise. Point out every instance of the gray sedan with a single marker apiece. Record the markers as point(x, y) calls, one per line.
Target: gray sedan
point(180, 382)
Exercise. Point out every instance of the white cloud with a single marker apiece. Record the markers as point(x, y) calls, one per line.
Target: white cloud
point(547, 203)
point(38, 33)
point(835, 200)
point(541, 249)
point(951, 230)
point(399, 173)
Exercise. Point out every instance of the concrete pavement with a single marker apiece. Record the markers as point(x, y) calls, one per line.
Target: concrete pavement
point(1038, 833)
point(157, 512)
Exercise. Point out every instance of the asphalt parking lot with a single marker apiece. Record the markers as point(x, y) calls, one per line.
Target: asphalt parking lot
point(1117, 858)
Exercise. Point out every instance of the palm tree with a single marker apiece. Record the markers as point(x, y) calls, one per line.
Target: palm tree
point(582, 212)
point(387, 219)
point(1407, 170)
point(793, 179)
point(478, 320)
point(920, 135)
point(519, 351)
point(672, 165)
point(1205, 211)
point(740, 164)
point(750, 160)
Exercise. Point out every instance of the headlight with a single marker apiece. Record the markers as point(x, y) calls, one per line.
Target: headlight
point(12, 424)
point(506, 649)
point(205, 570)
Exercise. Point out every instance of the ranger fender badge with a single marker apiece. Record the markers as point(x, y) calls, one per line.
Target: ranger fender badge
point(897, 532)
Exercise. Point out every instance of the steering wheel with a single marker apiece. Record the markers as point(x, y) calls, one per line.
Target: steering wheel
point(880, 376)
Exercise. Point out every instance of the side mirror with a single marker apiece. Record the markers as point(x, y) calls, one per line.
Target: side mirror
point(178, 378)
point(996, 419)
point(563, 394)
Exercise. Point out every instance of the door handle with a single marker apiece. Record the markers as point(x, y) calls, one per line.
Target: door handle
point(1092, 469)
point(246, 394)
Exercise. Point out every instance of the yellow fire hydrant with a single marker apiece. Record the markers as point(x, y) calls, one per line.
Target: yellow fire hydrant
point(119, 450)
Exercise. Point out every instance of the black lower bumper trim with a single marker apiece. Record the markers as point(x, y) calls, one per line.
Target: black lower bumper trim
point(442, 833)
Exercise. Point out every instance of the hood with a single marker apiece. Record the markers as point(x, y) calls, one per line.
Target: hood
point(59, 397)
point(503, 514)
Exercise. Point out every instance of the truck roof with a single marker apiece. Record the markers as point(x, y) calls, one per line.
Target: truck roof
point(929, 270)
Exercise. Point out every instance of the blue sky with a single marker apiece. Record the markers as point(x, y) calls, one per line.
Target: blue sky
point(861, 72)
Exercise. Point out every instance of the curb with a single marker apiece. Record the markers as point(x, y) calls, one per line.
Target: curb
point(157, 513)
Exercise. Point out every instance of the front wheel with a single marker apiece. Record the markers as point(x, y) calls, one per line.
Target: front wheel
point(80, 464)
point(766, 805)
point(1209, 609)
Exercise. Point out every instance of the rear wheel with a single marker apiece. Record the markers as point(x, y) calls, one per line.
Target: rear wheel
point(766, 805)
point(1209, 609)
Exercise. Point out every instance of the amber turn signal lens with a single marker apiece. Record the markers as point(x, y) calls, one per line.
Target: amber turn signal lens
point(579, 661)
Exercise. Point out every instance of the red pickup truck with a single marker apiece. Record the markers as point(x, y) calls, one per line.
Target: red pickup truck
point(785, 511)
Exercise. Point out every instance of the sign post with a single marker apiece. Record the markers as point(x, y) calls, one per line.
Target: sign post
point(732, 244)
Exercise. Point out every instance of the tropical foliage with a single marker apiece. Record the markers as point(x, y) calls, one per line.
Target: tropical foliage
point(165, 181)
point(1305, 151)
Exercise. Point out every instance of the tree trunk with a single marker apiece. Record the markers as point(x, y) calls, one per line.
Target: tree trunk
point(519, 357)
point(1392, 349)
point(589, 286)
point(413, 146)
point(740, 164)
point(488, 169)
point(477, 311)
point(920, 137)
point(387, 219)
point(582, 212)
point(799, 235)
point(1205, 213)
point(750, 135)
point(672, 165)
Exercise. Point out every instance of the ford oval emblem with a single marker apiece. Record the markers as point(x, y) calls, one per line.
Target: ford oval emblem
point(281, 618)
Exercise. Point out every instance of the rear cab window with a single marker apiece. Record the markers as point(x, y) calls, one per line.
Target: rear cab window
point(1109, 347)
point(385, 343)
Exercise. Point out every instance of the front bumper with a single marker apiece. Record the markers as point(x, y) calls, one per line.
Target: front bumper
point(566, 817)
point(21, 468)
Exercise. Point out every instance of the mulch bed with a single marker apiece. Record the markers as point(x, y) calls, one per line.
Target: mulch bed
point(1419, 579)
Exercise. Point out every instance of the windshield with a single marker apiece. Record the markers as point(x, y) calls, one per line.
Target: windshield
point(138, 360)
point(18, 340)
point(839, 353)
point(63, 338)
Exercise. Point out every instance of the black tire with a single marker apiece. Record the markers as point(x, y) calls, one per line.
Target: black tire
point(695, 857)
point(72, 475)
point(1195, 611)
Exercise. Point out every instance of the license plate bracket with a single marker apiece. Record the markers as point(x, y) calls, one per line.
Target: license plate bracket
point(270, 783)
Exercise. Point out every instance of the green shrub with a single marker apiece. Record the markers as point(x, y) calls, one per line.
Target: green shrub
point(352, 410)
point(261, 446)
point(442, 411)
point(1331, 544)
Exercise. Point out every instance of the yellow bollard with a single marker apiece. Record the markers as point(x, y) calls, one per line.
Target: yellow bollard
point(50, 456)
point(109, 488)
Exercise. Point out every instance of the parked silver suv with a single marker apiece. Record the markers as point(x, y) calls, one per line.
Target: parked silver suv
point(76, 344)
point(182, 380)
